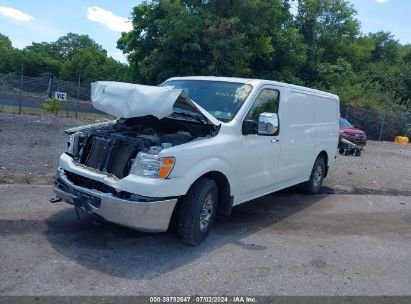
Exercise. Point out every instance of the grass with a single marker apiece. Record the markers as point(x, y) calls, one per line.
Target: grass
point(63, 113)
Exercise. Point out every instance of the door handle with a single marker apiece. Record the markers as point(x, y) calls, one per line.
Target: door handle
point(275, 140)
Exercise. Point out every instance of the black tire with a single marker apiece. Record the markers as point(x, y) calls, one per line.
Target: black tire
point(196, 213)
point(341, 151)
point(347, 152)
point(357, 153)
point(313, 185)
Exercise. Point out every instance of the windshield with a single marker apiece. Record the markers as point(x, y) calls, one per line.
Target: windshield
point(221, 99)
point(344, 123)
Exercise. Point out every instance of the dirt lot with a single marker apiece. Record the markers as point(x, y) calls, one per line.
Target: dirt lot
point(353, 239)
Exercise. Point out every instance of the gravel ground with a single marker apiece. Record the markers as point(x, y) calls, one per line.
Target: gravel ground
point(281, 244)
point(353, 239)
point(30, 146)
point(383, 168)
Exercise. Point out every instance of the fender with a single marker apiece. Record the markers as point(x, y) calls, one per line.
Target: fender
point(208, 165)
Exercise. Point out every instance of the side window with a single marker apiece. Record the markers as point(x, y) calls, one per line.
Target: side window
point(266, 101)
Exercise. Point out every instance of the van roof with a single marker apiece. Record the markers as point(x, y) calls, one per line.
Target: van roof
point(258, 82)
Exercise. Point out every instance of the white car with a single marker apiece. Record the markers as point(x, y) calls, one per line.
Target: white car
point(193, 148)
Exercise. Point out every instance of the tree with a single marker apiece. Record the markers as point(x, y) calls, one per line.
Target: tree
point(69, 56)
point(5, 42)
point(69, 44)
point(38, 64)
point(386, 47)
point(9, 56)
point(115, 71)
point(164, 35)
point(329, 27)
point(87, 62)
point(220, 37)
point(45, 49)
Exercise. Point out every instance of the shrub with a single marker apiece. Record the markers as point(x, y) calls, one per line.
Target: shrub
point(52, 106)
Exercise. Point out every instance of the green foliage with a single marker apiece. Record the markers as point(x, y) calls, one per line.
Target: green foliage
point(52, 106)
point(38, 64)
point(319, 46)
point(9, 57)
point(223, 38)
point(66, 58)
point(68, 45)
point(86, 61)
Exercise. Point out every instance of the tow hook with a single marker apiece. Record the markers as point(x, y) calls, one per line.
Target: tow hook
point(55, 199)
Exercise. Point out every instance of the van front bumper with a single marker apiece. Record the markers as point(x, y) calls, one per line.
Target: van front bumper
point(149, 215)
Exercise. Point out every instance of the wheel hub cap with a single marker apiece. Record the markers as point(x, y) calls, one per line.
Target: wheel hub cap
point(318, 176)
point(206, 212)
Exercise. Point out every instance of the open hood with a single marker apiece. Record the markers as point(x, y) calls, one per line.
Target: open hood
point(126, 100)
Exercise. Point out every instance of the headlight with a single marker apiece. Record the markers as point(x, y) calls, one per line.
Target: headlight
point(70, 144)
point(345, 134)
point(151, 165)
point(73, 144)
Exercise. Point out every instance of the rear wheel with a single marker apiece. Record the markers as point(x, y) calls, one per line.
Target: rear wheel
point(313, 185)
point(197, 211)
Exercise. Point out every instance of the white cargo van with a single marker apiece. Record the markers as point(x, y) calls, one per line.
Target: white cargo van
point(193, 148)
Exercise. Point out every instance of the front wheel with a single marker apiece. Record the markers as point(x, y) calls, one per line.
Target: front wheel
point(313, 185)
point(197, 211)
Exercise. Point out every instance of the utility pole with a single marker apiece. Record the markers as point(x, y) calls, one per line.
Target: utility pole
point(78, 94)
point(21, 86)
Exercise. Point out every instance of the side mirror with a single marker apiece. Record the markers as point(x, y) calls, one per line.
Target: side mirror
point(267, 124)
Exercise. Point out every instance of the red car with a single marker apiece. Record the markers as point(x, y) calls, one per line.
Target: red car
point(354, 135)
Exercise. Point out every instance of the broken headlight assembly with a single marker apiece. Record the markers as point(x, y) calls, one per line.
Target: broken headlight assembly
point(70, 144)
point(73, 144)
point(152, 165)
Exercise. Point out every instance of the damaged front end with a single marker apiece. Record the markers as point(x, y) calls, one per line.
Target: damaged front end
point(130, 145)
point(148, 214)
point(150, 119)
point(114, 149)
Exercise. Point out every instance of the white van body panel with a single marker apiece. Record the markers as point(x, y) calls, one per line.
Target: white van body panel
point(254, 165)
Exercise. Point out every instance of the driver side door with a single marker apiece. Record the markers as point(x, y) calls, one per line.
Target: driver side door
point(257, 166)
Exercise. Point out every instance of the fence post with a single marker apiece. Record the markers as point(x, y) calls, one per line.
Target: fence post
point(346, 113)
point(78, 94)
point(382, 124)
point(21, 86)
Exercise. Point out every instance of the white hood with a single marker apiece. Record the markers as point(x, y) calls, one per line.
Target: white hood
point(126, 100)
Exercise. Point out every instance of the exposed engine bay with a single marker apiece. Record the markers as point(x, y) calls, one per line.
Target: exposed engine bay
point(111, 148)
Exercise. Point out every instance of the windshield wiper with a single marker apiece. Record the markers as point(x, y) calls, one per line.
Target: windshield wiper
point(196, 117)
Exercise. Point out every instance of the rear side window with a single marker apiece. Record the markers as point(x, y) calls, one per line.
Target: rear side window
point(266, 101)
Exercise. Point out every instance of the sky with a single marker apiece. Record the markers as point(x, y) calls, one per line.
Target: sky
point(25, 21)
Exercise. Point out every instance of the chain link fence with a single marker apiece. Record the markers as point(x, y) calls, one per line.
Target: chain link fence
point(379, 125)
point(26, 94)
